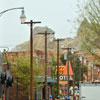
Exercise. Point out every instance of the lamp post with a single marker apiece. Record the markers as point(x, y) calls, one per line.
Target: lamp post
point(68, 49)
point(72, 51)
point(7, 73)
point(91, 64)
point(1, 70)
point(81, 61)
point(58, 41)
point(1, 13)
point(2, 54)
point(31, 22)
point(94, 69)
point(85, 62)
point(46, 34)
point(6, 78)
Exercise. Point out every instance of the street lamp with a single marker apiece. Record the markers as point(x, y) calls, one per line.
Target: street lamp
point(94, 68)
point(85, 62)
point(91, 64)
point(1, 65)
point(1, 55)
point(9, 78)
point(68, 49)
point(1, 70)
point(72, 51)
point(5, 77)
point(58, 42)
point(46, 33)
point(31, 22)
point(1, 13)
point(81, 61)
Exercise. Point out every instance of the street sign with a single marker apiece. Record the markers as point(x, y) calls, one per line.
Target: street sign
point(65, 77)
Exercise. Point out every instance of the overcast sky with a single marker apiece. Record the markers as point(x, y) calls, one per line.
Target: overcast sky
point(52, 13)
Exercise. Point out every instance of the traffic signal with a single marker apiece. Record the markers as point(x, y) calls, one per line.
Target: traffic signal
point(9, 81)
point(3, 77)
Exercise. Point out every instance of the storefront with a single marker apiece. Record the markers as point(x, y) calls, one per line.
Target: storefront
point(40, 91)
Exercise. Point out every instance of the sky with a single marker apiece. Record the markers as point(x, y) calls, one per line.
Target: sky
point(52, 13)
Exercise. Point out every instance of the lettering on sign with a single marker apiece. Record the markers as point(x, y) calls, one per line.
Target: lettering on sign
point(65, 77)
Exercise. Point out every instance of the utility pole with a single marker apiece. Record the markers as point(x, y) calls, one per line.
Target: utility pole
point(46, 34)
point(68, 49)
point(73, 76)
point(31, 22)
point(58, 42)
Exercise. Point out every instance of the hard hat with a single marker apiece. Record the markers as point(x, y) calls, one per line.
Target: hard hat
point(58, 96)
point(50, 96)
point(68, 98)
point(65, 97)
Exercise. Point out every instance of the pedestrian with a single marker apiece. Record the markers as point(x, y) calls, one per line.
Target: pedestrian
point(68, 98)
point(3, 95)
point(50, 97)
point(65, 97)
point(58, 98)
point(74, 96)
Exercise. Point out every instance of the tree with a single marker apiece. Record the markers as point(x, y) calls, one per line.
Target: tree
point(62, 59)
point(53, 67)
point(84, 70)
point(54, 75)
point(75, 63)
point(90, 29)
point(21, 70)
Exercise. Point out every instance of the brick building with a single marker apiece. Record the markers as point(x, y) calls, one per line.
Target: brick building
point(40, 91)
